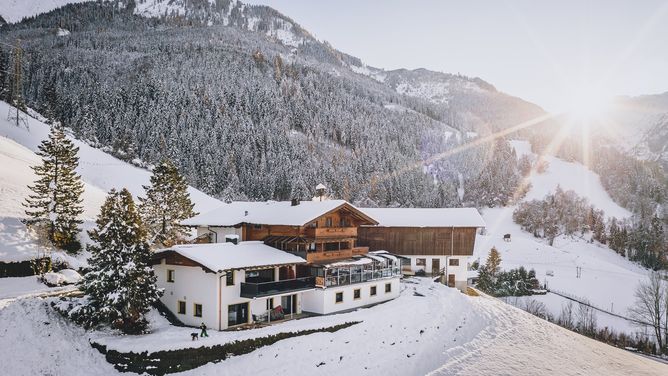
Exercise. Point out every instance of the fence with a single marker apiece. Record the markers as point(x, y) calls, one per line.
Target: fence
point(578, 300)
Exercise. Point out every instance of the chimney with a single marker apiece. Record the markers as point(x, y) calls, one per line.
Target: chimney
point(294, 202)
point(320, 190)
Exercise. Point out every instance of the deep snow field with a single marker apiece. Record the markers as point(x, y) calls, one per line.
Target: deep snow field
point(442, 332)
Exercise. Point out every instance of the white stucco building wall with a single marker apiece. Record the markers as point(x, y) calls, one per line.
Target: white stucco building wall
point(460, 271)
point(218, 233)
point(323, 300)
point(193, 285)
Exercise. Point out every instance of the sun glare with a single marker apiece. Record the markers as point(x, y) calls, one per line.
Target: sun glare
point(588, 104)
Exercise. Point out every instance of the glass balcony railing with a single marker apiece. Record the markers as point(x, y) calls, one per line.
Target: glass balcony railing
point(255, 290)
point(345, 278)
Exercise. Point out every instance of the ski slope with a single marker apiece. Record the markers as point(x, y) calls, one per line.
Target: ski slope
point(607, 279)
point(438, 332)
point(570, 176)
point(100, 172)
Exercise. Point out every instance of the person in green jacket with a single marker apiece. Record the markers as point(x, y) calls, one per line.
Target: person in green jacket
point(203, 333)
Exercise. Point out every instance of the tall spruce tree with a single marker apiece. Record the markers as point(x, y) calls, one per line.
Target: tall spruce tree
point(166, 204)
point(56, 194)
point(121, 285)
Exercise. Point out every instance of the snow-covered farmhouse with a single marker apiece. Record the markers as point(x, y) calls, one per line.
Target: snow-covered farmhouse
point(226, 284)
point(255, 256)
point(437, 241)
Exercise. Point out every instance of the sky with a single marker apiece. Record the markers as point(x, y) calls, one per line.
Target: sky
point(550, 53)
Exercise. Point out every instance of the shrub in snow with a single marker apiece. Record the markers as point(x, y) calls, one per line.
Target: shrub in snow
point(120, 286)
point(514, 282)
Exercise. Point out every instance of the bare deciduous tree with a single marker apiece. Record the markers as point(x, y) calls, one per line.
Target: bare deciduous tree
point(586, 319)
point(651, 304)
point(566, 316)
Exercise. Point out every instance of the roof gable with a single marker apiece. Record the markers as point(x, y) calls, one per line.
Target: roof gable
point(426, 217)
point(273, 213)
point(227, 256)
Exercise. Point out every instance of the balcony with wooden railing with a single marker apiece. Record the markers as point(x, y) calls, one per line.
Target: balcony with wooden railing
point(325, 256)
point(358, 251)
point(331, 232)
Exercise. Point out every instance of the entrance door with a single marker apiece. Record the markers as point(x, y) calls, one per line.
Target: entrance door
point(289, 304)
point(237, 314)
point(435, 266)
point(451, 280)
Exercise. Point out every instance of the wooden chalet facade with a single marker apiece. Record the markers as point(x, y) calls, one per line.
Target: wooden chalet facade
point(328, 237)
point(437, 241)
point(324, 233)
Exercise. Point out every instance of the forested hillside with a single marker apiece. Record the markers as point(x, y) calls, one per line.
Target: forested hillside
point(247, 103)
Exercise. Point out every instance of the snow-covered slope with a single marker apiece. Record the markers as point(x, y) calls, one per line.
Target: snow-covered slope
point(607, 279)
point(429, 329)
point(479, 106)
point(640, 126)
point(570, 176)
point(99, 171)
point(16, 244)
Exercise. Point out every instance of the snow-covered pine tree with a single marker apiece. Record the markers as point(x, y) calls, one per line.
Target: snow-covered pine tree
point(56, 194)
point(299, 189)
point(166, 204)
point(121, 286)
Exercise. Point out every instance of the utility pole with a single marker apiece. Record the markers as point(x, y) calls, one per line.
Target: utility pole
point(17, 84)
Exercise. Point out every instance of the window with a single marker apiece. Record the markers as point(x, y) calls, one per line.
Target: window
point(388, 287)
point(170, 275)
point(270, 303)
point(328, 222)
point(256, 226)
point(357, 294)
point(229, 278)
point(454, 262)
point(333, 246)
point(182, 307)
point(198, 310)
point(372, 291)
point(420, 261)
point(259, 276)
point(343, 222)
point(339, 297)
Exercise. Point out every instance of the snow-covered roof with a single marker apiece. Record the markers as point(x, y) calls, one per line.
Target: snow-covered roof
point(426, 217)
point(226, 256)
point(267, 213)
